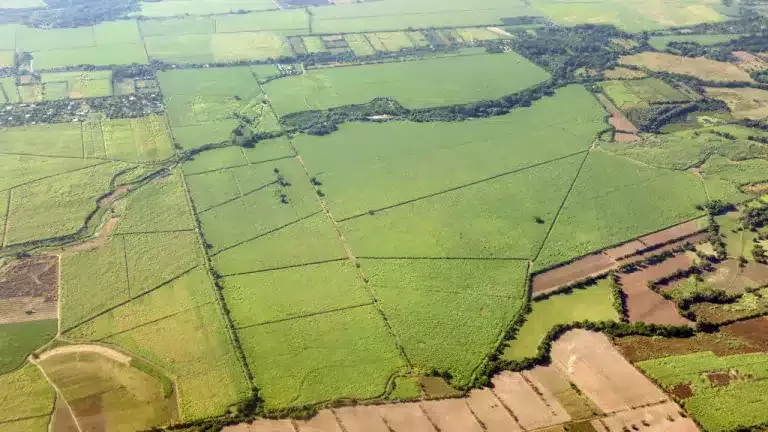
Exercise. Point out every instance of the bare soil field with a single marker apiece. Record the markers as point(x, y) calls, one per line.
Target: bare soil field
point(324, 421)
point(741, 338)
point(754, 332)
point(698, 67)
point(62, 420)
point(98, 349)
point(676, 232)
point(405, 417)
point(264, 426)
point(533, 406)
point(598, 369)
point(579, 269)
point(657, 418)
point(625, 250)
point(644, 304)
point(552, 379)
point(625, 137)
point(360, 419)
point(491, 412)
point(749, 62)
point(748, 103)
point(451, 415)
point(29, 289)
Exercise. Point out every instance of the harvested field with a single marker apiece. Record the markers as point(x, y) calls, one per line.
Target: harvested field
point(93, 349)
point(534, 407)
point(263, 426)
point(749, 62)
point(749, 103)
point(554, 381)
point(740, 338)
point(579, 269)
point(695, 239)
point(698, 67)
point(625, 250)
point(405, 418)
point(29, 289)
point(686, 229)
point(360, 419)
point(657, 418)
point(754, 331)
point(599, 370)
point(491, 412)
point(324, 421)
point(644, 304)
point(621, 123)
point(451, 415)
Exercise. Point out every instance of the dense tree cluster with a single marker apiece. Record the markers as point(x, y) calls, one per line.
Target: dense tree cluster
point(77, 13)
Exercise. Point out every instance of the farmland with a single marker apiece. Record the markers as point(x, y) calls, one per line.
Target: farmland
point(218, 212)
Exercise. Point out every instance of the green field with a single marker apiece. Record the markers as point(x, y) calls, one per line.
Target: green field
point(627, 94)
point(160, 205)
point(123, 397)
point(204, 7)
point(660, 42)
point(217, 47)
point(21, 339)
point(360, 45)
point(717, 407)
point(80, 84)
point(594, 303)
point(448, 314)
point(26, 395)
point(594, 217)
point(415, 84)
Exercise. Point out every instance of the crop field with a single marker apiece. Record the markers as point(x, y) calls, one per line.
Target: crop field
point(593, 303)
point(105, 393)
point(722, 393)
point(222, 211)
point(433, 82)
point(628, 94)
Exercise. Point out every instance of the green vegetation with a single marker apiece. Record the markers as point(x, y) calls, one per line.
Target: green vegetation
point(661, 42)
point(26, 394)
point(346, 353)
point(21, 339)
point(592, 303)
point(627, 94)
point(415, 84)
point(126, 399)
point(448, 314)
point(80, 84)
point(160, 205)
point(405, 389)
point(593, 217)
point(728, 392)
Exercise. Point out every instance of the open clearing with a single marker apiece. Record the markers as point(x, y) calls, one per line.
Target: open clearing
point(699, 67)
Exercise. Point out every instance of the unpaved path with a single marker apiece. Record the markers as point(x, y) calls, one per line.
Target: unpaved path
point(97, 349)
point(98, 242)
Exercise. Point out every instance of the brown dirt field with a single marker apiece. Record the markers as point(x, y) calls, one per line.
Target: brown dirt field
point(625, 250)
point(533, 407)
point(37, 276)
point(754, 332)
point(699, 67)
point(625, 137)
point(90, 413)
point(98, 242)
point(658, 418)
point(551, 378)
point(491, 412)
point(755, 274)
point(720, 379)
point(590, 361)
point(694, 239)
point(263, 426)
point(749, 62)
point(728, 342)
point(716, 313)
point(579, 269)
point(360, 419)
point(644, 304)
point(407, 417)
point(685, 229)
point(23, 309)
point(62, 420)
point(451, 415)
point(621, 123)
point(324, 421)
point(682, 391)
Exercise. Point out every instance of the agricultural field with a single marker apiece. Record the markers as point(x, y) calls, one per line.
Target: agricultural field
point(225, 211)
point(430, 82)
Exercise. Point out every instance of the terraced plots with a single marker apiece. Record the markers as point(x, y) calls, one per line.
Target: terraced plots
point(415, 84)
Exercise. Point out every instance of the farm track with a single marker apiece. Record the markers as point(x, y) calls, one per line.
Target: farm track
point(455, 188)
point(325, 312)
point(239, 165)
point(59, 395)
point(56, 175)
point(101, 339)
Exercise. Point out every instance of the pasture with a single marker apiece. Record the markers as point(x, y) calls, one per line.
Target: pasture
point(698, 67)
point(26, 397)
point(627, 94)
point(593, 303)
point(748, 103)
point(415, 84)
point(721, 393)
point(660, 42)
point(21, 339)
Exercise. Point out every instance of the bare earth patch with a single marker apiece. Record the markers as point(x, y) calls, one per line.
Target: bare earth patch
point(533, 406)
point(324, 421)
point(683, 230)
point(682, 391)
point(698, 67)
point(98, 242)
point(405, 417)
point(658, 418)
point(29, 289)
point(588, 266)
point(263, 426)
point(489, 410)
point(451, 415)
point(644, 304)
point(360, 419)
point(98, 349)
point(598, 369)
point(625, 137)
point(625, 250)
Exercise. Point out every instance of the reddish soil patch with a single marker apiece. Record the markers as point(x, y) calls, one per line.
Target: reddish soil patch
point(577, 270)
point(489, 410)
point(37, 276)
point(324, 421)
point(451, 415)
point(405, 418)
point(62, 419)
point(682, 391)
point(625, 137)
point(534, 407)
point(98, 242)
point(625, 250)
point(263, 426)
point(756, 274)
point(90, 413)
point(621, 123)
point(754, 332)
point(695, 239)
point(720, 379)
point(641, 348)
point(113, 196)
point(590, 361)
point(644, 304)
point(686, 229)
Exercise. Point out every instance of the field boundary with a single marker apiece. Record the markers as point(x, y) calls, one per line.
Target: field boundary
point(465, 185)
point(6, 217)
point(102, 339)
point(61, 173)
point(285, 267)
point(242, 195)
point(248, 163)
point(307, 315)
point(447, 258)
point(266, 233)
point(59, 395)
point(153, 232)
